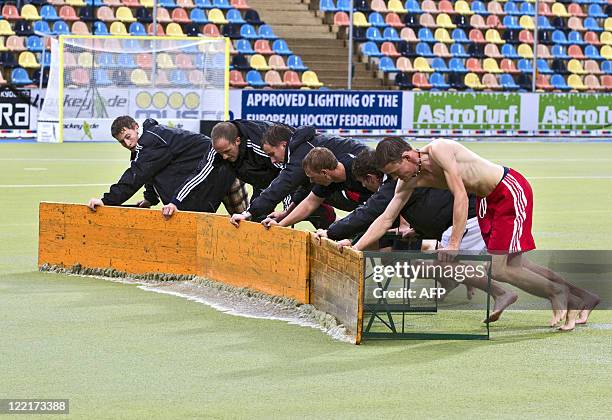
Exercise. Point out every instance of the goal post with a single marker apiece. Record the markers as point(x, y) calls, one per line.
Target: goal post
point(179, 81)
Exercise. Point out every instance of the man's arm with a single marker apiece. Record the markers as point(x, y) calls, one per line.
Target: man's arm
point(385, 220)
point(444, 156)
point(301, 212)
point(150, 197)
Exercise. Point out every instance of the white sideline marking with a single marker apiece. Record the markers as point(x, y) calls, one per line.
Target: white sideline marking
point(51, 185)
point(34, 169)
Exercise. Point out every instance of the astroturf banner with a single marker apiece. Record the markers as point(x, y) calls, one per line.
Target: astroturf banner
point(326, 109)
point(575, 111)
point(471, 111)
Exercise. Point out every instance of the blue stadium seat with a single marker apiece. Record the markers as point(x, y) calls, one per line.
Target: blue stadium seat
point(222, 4)
point(558, 51)
point(344, 5)
point(253, 78)
point(19, 76)
point(511, 9)
point(390, 34)
point(327, 6)
point(34, 43)
point(507, 82)
point(376, 19)
point(459, 35)
point(61, 28)
point(280, 47)
point(126, 61)
point(509, 51)
point(511, 22)
point(42, 27)
point(48, 12)
point(266, 32)
point(558, 82)
point(456, 66)
point(479, 8)
point(234, 16)
point(243, 46)
point(137, 28)
point(370, 49)
point(198, 16)
point(413, 6)
point(104, 60)
point(526, 9)
point(544, 24)
point(387, 65)
point(247, 31)
point(591, 24)
point(425, 35)
point(437, 81)
point(595, 11)
point(524, 65)
point(457, 50)
point(294, 62)
point(203, 4)
point(168, 4)
point(99, 28)
point(423, 49)
point(131, 44)
point(178, 77)
point(591, 52)
point(606, 67)
point(439, 65)
point(101, 77)
point(558, 37)
point(543, 67)
point(575, 37)
point(373, 34)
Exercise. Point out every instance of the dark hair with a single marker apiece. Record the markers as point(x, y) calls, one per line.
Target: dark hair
point(224, 130)
point(365, 164)
point(276, 134)
point(390, 150)
point(121, 123)
point(318, 159)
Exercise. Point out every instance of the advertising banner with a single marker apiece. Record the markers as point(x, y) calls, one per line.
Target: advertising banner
point(326, 109)
point(575, 111)
point(14, 109)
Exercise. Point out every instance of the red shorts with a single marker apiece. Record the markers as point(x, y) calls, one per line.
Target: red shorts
point(505, 215)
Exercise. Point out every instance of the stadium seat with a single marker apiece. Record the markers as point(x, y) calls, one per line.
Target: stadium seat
point(427, 21)
point(478, 22)
point(369, 49)
point(458, 51)
point(388, 49)
point(280, 47)
point(262, 46)
point(591, 37)
point(442, 35)
point(525, 65)
point(216, 16)
point(477, 36)
point(490, 82)
point(19, 76)
point(391, 35)
point(403, 64)
point(524, 81)
point(592, 83)
point(163, 15)
point(15, 43)
point(558, 9)
point(438, 65)
point(437, 81)
point(403, 81)
point(490, 66)
point(292, 79)
point(420, 81)
point(240, 62)
point(144, 15)
point(456, 65)
point(253, 78)
point(240, 4)
point(527, 9)
point(185, 4)
point(258, 62)
point(252, 17)
point(472, 81)
point(359, 20)
point(574, 66)
point(558, 82)
point(408, 35)
point(276, 62)
point(179, 15)
point(575, 37)
point(118, 28)
point(425, 35)
point(273, 78)
point(458, 35)
point(29, 12)
point(392, 19)
point(234, 16)
point(105, 60)
point(606, 67)
point(606, 82)
point(101, 77)
point(198, 16)
point(376, 19)
point(575, 24)
point(608, 24)
point(10, 12)
point(373, 34)
point(510, 8)
point(79, 77)
point(473, 65)
point(591, 67)
point(441, 50)
point(33, 43)
point(60, 28)
point(444, 21)
point(590, 51)
point(590, 24)
point(423, 49)
point(295, 63)
point(387, 65)
point(124, 14)
point(542, 67)
point(48, 12)
point(341, 19)
point(508, 51)
point(178, 78)
point(247, 31)
point(139, 77)
point(184, 61)
point(575, 9)
point(525, 51)
point(428, 6)
point(99, 28)
point(137, 28)
point(164, 61)
point(27, 60)
point(168, 4)
point(22, 28)
point(574, 51)
point(508, 66)
point(507, 82)
point(157, 30)
point(420, 64)
point(221, 4)
point(493, 36)
point(495, 8)
point(174, 29)
point(492, 51)
point(5, 28)
point(463, 8)
point(543, 52)
point(396, 6)
point(494, 22)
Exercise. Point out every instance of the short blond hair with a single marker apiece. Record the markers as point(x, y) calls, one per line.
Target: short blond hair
point(318, 159)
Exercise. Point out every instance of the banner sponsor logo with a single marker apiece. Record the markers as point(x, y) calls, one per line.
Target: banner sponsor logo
point(177, 104)
point(14, 110)
point(575, 112)
point(467, 111)
point(325, 109)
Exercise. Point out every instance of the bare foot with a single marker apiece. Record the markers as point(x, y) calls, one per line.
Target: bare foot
point(558, 316)
point(470, 292)
point(570, 320)
point(501, 303)
point(589, 305)
point(559, 300)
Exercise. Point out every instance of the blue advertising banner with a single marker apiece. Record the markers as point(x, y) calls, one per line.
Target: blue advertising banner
point(327, 110)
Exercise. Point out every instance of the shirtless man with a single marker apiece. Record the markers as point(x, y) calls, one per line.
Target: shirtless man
point(504, 207)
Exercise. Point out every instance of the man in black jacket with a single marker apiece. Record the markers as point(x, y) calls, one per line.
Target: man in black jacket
point(289, 149)
point(236, 145)
point(162, 157)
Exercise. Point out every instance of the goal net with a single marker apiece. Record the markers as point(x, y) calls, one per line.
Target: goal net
point(93, 79)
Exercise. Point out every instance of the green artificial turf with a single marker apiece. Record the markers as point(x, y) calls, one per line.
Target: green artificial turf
point(119, 352)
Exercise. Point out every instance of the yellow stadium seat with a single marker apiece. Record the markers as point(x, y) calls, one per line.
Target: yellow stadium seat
point(164, 61)
point(85, 59)
point(463, 8)
point(575, 82)
point(608, 24)
point(29, 12)
point(360, 20)
point(124, 14)
point(27, 60)
point(310, 79)
point(606, 52)
point(258, 62)
point(558, 9)
point(525, 51)
point(444, 21)
point(2, 46)
point(492, 36)
point(396, 6)
point(75, 3)
point(174, 29)
point(139, 77)
point(442, 35)
point(5, 28)
point(216, 16)
point(574, 66)
point(472, 81)
point(422, 65)
point(118, 28)
point(606, 38)
point(526, 22)
point(490, 66)
point(147, 3)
